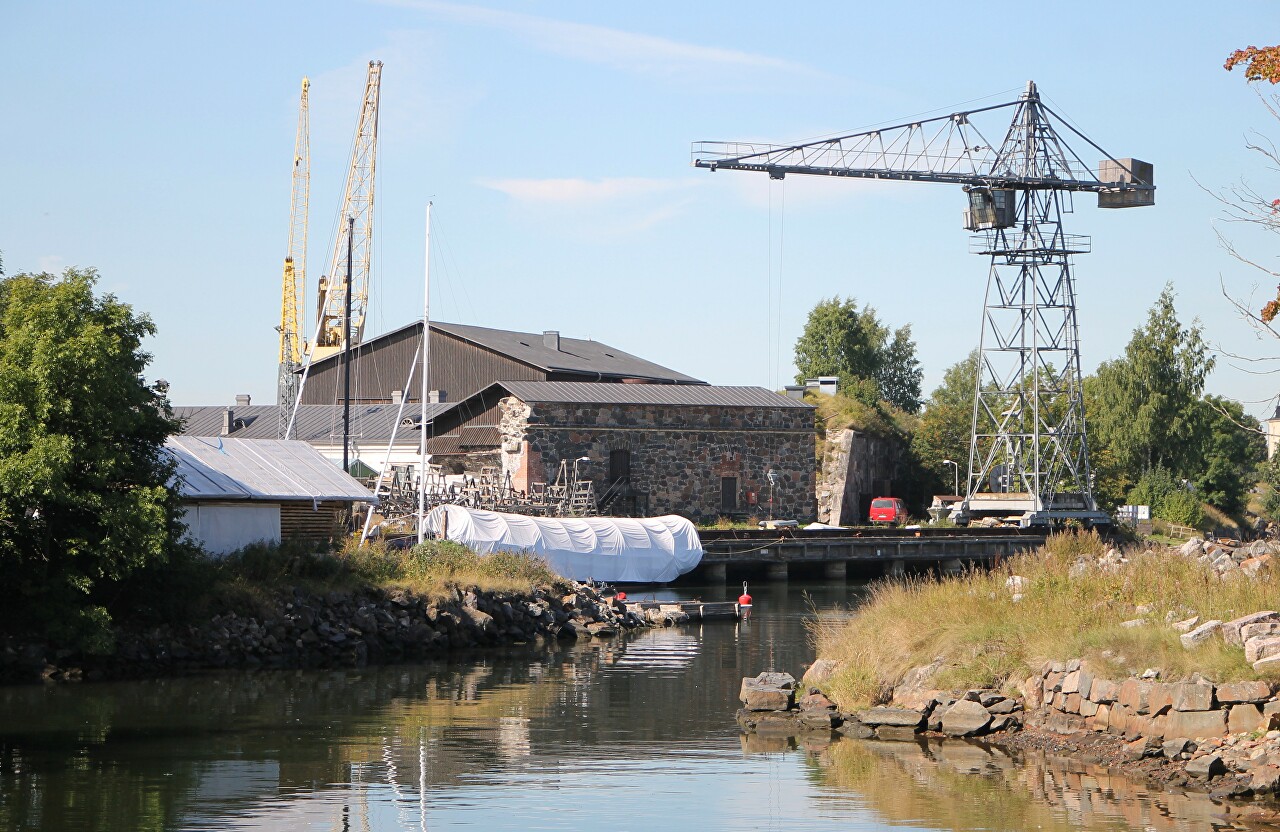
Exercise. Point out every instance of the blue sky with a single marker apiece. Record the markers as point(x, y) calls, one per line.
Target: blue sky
point(154, 140)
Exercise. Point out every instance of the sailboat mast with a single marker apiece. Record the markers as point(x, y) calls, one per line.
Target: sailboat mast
point(426, 383)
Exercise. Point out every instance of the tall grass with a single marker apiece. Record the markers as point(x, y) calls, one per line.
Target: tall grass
point(1071, 607)
point(434, 568)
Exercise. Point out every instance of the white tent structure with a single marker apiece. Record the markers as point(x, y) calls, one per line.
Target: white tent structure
point(614, 549)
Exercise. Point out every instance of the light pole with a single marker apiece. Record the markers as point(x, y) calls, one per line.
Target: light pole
point(957, 472)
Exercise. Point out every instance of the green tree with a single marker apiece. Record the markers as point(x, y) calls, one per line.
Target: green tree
point(1144, 405)
point(84, 497)
point(1231, 447)
point(872, 363)
point(945, 424)
point(899, 374)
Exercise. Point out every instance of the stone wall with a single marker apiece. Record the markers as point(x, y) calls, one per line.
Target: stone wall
point(1076, 700)
point(678, 455)
point(856, 468)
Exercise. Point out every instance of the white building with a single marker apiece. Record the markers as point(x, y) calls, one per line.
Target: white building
point(241, 491)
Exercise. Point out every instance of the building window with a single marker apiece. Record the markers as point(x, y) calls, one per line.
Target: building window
point(619, 465)
point(728, 493)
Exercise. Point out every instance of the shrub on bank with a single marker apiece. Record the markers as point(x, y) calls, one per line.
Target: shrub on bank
point(990, 630)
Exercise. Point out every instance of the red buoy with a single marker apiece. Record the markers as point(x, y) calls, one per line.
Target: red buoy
point(621, 596)
point(744, 600)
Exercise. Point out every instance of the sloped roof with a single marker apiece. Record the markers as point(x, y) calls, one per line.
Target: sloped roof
point(576, 355)
point(223, 468)
point(580, 392)
point(315, 423)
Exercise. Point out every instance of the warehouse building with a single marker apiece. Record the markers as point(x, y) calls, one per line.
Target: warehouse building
point(466, 359)
point(699, 451)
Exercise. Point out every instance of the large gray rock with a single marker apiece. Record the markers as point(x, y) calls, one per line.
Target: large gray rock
point(1192, 548)
point(766, 692)
point(1261, 647)
point(1209, 765)
point(1201, 634)
point(1231, 630)
point(1266, 628)
point(1233, 692)
point(1196, 724)
point(1104, 691)
point(965, 719)
point(1244, 717)
point(819, 672)
point(1192, 696)
point(901, 717)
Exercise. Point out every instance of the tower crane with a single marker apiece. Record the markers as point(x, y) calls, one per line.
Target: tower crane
point(357, 203)
point(1028, 447)
point(294, 284)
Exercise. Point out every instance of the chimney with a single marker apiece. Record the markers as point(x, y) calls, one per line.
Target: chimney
point(551, 340)
point(228, 421)
point(242, 400)
point(436, 397)
point(397, 396)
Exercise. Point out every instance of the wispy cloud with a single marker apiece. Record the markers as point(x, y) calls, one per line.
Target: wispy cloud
point(610, 208)
point(629, 51)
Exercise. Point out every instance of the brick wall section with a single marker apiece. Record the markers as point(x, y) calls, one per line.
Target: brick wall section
point(678, 453)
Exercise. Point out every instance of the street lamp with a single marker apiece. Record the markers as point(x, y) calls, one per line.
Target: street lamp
point(957, 472)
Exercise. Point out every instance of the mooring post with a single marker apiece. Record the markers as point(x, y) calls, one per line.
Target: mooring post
point(895, 569)
point(777, 571)
point(716, 573)
point(836, 570)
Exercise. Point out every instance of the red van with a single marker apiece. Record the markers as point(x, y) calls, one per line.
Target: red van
point(888, 510)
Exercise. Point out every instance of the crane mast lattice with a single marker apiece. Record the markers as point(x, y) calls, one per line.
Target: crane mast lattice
point(1028, 450)
point(294, 284)
point(357, 203)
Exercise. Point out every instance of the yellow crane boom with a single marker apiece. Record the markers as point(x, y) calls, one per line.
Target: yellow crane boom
point(294, 283)
point(357, 203)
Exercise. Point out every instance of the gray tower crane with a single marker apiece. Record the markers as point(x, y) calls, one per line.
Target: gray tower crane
point(1028, 447)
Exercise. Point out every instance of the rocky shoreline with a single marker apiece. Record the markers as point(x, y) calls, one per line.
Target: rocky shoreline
point(299, 629)
point(1142, 733)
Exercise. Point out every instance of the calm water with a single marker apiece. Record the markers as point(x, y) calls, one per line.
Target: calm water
point(635, 734)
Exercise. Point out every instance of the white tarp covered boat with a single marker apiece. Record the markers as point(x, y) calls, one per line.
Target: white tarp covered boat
point(614, 549)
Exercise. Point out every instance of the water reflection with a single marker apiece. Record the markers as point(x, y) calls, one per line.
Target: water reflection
point(630, 734)
point(963, 786)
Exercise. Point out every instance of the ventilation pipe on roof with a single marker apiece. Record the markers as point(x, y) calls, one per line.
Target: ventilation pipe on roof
point(242, 400)
point(228, 421)
point(436, 396)
point(551, 340)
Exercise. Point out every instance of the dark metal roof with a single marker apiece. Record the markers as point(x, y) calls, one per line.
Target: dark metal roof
point(315, 423)
point(579, 392)
point(576, 355)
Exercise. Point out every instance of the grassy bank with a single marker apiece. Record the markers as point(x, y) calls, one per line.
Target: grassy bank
point(985, 638)
point(193, 586)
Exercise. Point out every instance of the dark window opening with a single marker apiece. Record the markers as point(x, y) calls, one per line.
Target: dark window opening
point(619, 465)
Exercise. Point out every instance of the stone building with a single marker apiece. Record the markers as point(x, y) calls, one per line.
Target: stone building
point(700, 451)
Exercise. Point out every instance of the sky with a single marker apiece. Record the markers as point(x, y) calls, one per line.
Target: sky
point(154, 142)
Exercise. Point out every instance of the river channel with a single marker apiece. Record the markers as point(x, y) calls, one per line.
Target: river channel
point(632, 734)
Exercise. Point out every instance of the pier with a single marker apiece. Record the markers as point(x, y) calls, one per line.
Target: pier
point(839, 553)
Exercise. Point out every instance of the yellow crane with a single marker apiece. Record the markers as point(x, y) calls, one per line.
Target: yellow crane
point(357, 205)
point(294, 285)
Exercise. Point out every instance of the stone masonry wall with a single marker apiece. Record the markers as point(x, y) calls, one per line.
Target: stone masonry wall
point(678, 454)
point(856, 468)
